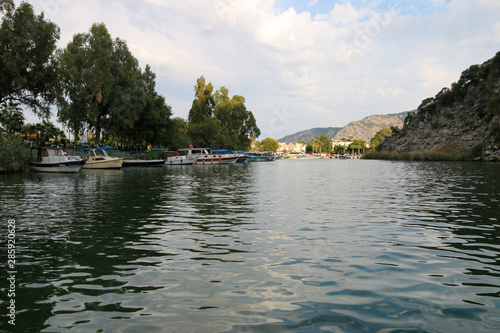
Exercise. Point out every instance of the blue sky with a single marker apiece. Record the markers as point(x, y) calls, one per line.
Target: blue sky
point(299, 64)
point(405, 7)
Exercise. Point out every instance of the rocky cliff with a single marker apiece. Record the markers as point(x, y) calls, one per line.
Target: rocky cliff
point(465, 117)
point(366, 128)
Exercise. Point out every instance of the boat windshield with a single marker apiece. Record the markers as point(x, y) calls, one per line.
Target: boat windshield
point(101, 153)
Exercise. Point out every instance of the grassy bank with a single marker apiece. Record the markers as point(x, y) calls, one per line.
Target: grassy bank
point(427, 155)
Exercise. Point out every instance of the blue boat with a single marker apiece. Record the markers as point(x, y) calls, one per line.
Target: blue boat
point(260, 157)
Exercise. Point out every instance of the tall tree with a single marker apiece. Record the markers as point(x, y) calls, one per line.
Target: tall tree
point(74, 101)
point(103, 85)
point(204, 129)
point(12, 118)
point(217, 120)
point(238, 124)
point(153, 121)
point(128, 93)
point(28, 70)
point(178, 136)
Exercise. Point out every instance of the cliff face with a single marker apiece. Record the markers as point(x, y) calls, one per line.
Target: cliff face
point(464, 117)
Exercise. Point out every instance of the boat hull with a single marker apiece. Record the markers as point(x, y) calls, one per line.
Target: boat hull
point(216, 160)
point(115, 163)
point(180, 160)
point(64, 167)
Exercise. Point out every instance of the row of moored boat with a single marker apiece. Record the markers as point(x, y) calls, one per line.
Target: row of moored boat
point(56, 160)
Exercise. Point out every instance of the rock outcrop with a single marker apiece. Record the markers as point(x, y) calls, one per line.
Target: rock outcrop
point(365, 129)
point(465, 117)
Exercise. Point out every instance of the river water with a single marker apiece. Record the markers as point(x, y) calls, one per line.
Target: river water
point(285, 246)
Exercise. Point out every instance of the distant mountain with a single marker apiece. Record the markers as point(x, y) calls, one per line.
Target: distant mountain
point(364, 129)
point(310, 134)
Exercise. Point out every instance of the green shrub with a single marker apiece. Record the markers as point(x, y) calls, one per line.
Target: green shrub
point(495, 132)
point(14, 156)
point(494, 105)
point(478, 149)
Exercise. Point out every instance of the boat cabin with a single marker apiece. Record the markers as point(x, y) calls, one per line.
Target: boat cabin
point(47, 154)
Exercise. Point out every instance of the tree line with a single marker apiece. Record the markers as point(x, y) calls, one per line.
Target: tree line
point(97, 86)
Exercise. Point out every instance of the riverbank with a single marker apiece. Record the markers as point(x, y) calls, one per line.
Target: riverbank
point(15, 156)
point(423, 155)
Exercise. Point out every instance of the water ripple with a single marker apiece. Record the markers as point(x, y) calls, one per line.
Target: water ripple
point(318, 245)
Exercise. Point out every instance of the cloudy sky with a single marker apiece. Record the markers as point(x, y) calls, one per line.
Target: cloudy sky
point(299, 64)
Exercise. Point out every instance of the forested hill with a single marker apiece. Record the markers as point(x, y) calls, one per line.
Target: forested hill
point(364, 129)
point(465, 117)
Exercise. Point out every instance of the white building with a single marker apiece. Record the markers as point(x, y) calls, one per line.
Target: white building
point(292, 147)
point(337, 142)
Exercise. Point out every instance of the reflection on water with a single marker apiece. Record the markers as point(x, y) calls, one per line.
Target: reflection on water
point(304, 245)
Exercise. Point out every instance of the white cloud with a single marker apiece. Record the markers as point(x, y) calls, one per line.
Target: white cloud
point(312, 3)
point(296, 71)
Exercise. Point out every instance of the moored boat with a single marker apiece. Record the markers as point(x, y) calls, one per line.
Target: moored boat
point(206, 156)
point(174, 158)
point(54, 160)
point(260, 157)
point(99, 159)
point(241, 157)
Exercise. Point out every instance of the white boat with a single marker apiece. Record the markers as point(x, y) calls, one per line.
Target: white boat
point(206, 156)
point(174, 158)
point(54, 160)
point(99, 159)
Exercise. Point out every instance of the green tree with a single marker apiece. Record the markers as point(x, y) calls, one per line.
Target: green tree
point(14, 156)
point(178, 136)
point(324, 143)
point(153, 122)
point(102, 83)
point(204, 102)
point(269, 144)
point(239, 126)
point(12, 118)
point(216, 120)
point(358, 145)
point(127, 98)
point(28, 70)
point(204, 130)
point(380, 136)
point(74, 102)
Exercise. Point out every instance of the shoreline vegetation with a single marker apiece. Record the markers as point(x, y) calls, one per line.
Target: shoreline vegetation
point(100, 93)
point(423, 155)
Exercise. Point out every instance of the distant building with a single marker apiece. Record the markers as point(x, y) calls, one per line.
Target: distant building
point(292, 147)
point(342, 143)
